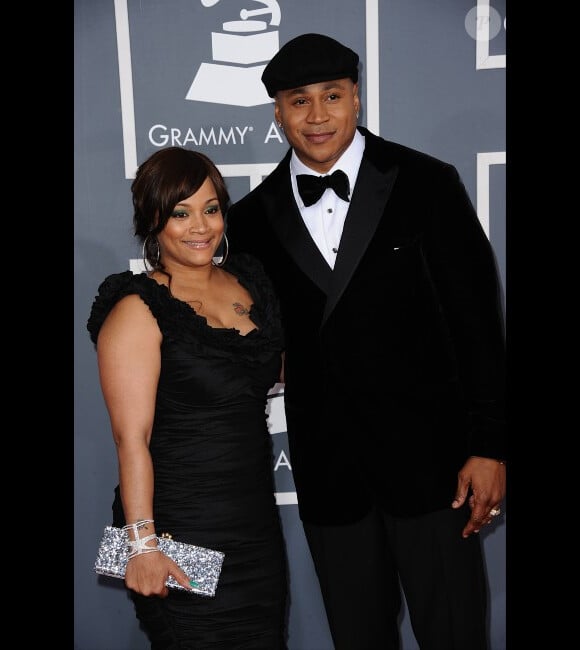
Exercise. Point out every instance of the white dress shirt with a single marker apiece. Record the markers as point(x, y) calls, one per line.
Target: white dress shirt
point(325, 219)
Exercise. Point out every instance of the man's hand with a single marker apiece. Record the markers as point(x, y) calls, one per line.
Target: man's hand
point(487, 479)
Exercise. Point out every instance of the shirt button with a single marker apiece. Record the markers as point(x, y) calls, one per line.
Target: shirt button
point(329, 210)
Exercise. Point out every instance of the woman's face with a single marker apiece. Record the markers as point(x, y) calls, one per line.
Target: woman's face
point(194, 230)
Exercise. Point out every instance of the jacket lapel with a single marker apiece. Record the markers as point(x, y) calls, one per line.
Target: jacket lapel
point(289, 226)
point(371, 193)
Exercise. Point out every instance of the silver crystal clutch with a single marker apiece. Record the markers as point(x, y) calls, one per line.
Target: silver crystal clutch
point(202, 565)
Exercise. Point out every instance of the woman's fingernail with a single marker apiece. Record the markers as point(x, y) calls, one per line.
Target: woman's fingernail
point(193, 583)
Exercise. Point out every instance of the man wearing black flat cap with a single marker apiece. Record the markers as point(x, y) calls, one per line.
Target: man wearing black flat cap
point(394, 363)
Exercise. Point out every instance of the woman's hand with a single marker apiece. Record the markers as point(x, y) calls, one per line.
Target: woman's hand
point(147, 574)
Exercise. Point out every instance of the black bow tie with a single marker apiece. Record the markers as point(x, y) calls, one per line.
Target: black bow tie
point(311, 187)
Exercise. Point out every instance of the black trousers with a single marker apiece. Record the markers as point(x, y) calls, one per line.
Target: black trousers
point(362, 566)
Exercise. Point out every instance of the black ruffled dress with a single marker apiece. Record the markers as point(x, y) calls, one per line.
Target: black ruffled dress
point(213, 463)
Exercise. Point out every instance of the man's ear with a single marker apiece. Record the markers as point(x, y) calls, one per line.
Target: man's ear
point(356, 97)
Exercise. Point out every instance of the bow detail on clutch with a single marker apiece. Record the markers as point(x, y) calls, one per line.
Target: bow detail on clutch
point(311, 187)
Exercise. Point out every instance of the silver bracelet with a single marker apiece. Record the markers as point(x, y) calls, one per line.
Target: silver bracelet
point(138, 545)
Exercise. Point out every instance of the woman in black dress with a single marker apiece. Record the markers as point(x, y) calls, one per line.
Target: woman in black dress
point(187, 353)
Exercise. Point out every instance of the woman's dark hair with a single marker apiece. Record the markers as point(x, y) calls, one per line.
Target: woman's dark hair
point(167, 177)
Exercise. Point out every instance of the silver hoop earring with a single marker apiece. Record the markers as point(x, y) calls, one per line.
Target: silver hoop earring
point(280, 126)
point(220, 260)
point(145, 254)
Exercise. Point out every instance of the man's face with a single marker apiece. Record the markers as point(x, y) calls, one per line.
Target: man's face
point(319, 120)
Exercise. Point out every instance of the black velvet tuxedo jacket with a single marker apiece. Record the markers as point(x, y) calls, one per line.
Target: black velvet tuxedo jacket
point(395, 367)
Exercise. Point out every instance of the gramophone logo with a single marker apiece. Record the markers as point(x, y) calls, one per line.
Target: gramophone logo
point(240, 54)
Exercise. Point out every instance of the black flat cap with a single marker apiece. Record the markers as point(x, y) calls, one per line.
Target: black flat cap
point(309, 59)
